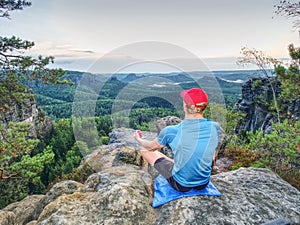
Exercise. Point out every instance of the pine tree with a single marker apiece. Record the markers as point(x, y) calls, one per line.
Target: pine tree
point(20, 169)
point(290, 77)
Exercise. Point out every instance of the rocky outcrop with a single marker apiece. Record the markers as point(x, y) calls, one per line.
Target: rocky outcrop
point(121, 192)
point(257, 94)
point(256, 101)
point(123, 137)
point(294, 109)
point(27, 111)
point(249, 196)
point(21, 212)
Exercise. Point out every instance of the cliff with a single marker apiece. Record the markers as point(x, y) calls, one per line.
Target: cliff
point(257, 98)
point(27, 111)
point(121, 192)
point(257, 94)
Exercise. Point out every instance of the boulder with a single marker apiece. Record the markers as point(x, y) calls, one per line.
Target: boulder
point(167, 121)
point(120, 196)
point(124, 137)
point(121, 192)
point(7, 218)
point(62, 188)
point(249, 196)
point(21, 212)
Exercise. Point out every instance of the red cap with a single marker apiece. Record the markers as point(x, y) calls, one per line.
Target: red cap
point(194, 96)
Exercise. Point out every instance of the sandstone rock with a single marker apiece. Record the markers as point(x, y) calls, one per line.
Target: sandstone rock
point(120, 197)
point(21, 111)
point(124, 137)
point(253, 104)
point(33, 222)
point(128, 156)
point(28, 112)
point(167, 121)
point(112, 155)
point(294, 109)
point(23, 211)
point(92, 182)
point(249, 196)
point(121, 192)
point(7, 218)
point(62, 188)
point(37, 206)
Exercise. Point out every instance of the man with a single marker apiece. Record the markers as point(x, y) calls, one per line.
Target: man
point(193, 143)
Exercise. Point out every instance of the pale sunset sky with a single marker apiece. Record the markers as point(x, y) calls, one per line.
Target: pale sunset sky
point(77, 33)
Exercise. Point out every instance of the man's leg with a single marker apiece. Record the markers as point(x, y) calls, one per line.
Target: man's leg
point(152, 156)
point(164, 166)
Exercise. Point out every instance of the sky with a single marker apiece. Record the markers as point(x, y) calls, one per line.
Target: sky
point(119, 33)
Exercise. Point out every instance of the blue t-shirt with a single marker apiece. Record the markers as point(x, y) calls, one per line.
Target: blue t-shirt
point(193, 143)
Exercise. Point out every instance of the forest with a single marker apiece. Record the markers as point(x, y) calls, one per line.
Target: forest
point(31, 165)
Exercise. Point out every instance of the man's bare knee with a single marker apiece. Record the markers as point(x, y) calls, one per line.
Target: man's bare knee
point(150, 156)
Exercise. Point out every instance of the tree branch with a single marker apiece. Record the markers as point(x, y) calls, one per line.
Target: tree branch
point(2, 176)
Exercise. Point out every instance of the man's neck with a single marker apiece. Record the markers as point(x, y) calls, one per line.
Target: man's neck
point(193, 116)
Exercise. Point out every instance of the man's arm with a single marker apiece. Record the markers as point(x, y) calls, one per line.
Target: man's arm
point(148, 145)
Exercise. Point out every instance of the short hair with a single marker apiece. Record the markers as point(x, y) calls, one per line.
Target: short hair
point(199, 109)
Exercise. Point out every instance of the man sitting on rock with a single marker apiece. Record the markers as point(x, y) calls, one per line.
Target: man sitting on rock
point(193, 143)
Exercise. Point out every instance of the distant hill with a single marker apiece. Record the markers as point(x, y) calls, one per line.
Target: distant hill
point(57, 101)
point(129, 78)
point(235, 76)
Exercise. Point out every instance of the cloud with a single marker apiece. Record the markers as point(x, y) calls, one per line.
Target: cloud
point(121, 64)
point(138, 59)
point(62, 52)
point(85, 51)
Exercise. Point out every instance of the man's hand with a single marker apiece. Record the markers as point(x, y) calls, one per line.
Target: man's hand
point(137, 134)
point(147, 145)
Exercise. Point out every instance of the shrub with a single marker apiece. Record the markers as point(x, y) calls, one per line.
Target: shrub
point(278, 151)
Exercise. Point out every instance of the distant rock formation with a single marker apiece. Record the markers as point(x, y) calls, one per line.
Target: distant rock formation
point(256, 94)
point(294, 109)
point(121, 192)
point(28, 112)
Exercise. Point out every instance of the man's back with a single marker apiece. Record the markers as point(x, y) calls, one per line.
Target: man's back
point(193, 143)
